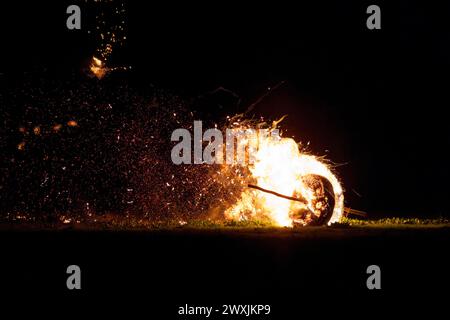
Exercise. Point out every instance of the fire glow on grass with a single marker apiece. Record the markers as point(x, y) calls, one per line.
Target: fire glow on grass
point(280, 166)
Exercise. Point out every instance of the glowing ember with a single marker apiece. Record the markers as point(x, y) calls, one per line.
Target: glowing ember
point(98, 68)
point(281, 167)
point(72, 123)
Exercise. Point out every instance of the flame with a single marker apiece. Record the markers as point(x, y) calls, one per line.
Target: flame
point(280, 166)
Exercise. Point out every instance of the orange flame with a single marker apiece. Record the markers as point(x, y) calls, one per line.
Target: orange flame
point(280, 166)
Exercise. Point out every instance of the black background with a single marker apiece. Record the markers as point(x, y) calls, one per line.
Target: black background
point(312, 273)
point(374, 100)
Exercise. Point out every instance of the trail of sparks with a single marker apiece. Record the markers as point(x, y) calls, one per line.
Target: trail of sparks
point(110, 32)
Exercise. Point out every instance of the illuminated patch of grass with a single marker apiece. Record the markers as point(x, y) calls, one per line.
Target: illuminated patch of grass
point(395, 222)
point(136, 223)
point(141, 223)
point(205, 224)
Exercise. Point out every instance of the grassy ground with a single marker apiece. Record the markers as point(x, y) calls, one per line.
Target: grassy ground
point(396, 222)
point(132, 223)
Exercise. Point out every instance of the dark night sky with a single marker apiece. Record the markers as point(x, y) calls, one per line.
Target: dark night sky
point(374, 100)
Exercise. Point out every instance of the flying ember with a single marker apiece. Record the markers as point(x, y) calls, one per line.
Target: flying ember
point(98, 68)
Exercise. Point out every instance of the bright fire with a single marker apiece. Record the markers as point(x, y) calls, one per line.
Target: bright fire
point(281, 167)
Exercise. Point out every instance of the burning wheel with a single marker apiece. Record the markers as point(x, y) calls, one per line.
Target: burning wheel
point(289, 187)
point(320, 210)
